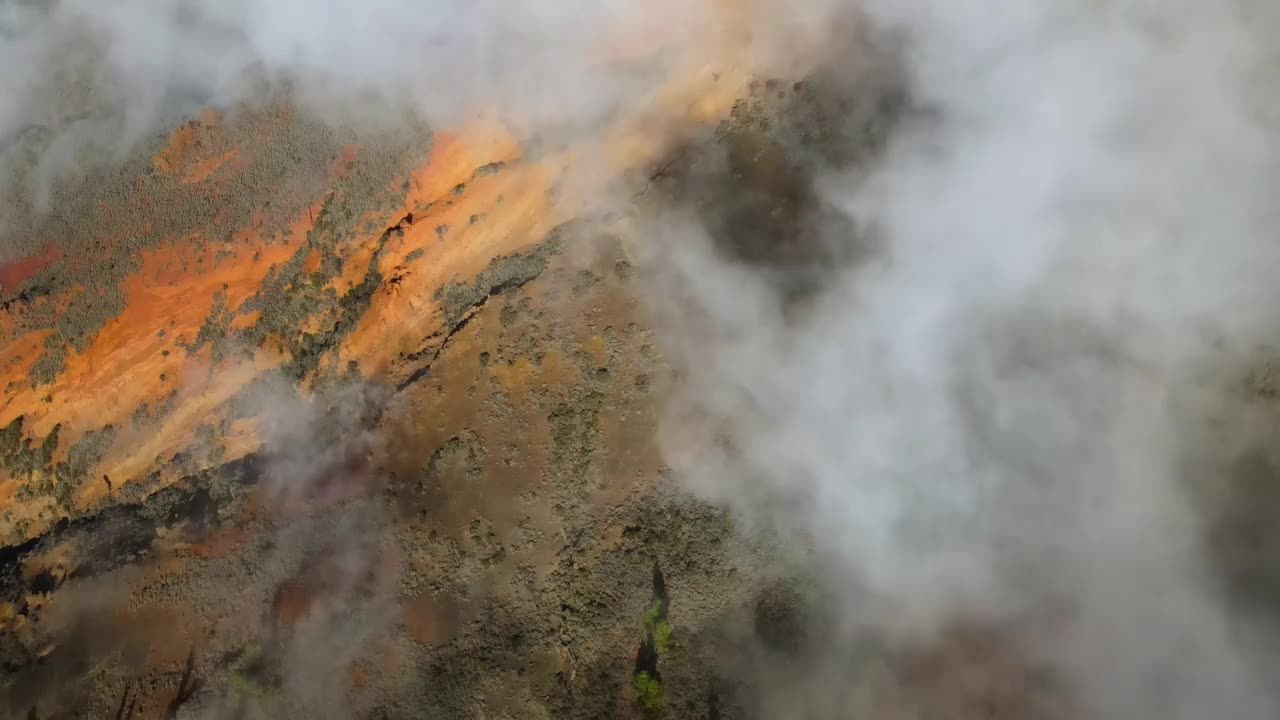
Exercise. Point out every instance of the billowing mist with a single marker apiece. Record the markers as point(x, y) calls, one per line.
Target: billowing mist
point(1004, 391)
point(94, 83)
point(997, 416)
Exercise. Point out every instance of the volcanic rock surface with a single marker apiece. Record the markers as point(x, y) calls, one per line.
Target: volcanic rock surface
point(301, 421)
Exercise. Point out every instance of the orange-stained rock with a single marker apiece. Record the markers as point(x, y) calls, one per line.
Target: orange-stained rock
point(473, 198)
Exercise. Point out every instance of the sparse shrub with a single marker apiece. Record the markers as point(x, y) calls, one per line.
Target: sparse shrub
point(648, 691)
point(653, 614)
point(662, 636)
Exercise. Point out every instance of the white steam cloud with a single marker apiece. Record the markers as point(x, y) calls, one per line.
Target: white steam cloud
point(84, 83)
point(986, 422)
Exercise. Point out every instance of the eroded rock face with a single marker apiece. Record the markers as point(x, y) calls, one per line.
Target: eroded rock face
point(300, 421)
point(505, 554)
point(379, 439)
point(305, 423)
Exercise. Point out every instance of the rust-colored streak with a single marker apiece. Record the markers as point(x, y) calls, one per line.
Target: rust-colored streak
point(292, 602)
point(13, 274)
point(208, 166)
point(475, 197)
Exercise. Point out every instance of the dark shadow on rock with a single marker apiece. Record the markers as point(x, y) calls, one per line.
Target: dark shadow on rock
point(754, 182)
point(784, 653)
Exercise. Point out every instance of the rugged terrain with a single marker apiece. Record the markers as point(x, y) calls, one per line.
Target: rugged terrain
point(304, 423)
point(301, 420)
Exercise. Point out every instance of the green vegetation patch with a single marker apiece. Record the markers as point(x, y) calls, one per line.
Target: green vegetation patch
point(645, 680)
point(648, 691)
point(662, 636)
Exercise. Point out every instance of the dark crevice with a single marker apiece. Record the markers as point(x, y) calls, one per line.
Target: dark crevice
point(44, 582)
point(128, 704)
point(647, 658)
point(400, 225)
point(26, 295)
point(131, 527)
point(460, 303)
point(646, 678)
point(125, 532)
point(187, 687)
point(425, 370)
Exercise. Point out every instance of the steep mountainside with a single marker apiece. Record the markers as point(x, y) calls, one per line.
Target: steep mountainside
point(301, 422)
